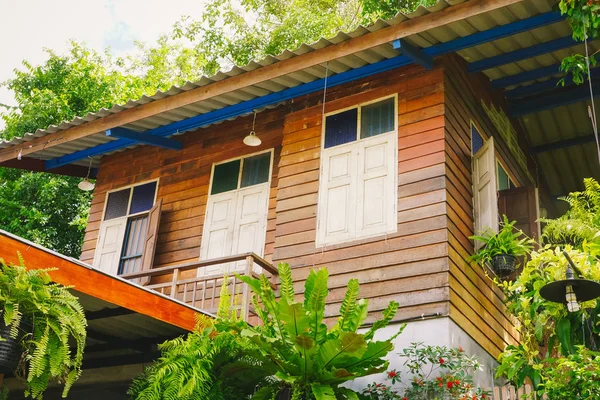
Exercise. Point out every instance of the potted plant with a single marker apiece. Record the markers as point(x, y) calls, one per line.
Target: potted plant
point(500, 250)
point(39, 320)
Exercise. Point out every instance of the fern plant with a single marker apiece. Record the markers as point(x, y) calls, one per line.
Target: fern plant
point(56, 318)
point(581, 222)
point(212, 363)
point(312, 361)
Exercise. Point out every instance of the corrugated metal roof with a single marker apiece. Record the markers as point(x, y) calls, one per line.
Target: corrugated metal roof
point(570, 122)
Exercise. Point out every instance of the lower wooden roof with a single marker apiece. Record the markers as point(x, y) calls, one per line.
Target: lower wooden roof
point(125, 321)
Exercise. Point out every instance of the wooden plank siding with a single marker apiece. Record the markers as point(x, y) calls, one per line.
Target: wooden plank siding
point(409, 266)
point(183, 183)
point(476, 304)
point(422, 265)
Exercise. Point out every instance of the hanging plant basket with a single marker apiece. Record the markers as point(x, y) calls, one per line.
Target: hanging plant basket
point(504, 265)
point(284, 394)
point(10, 349)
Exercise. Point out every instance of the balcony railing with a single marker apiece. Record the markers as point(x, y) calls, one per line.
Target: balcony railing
point(189, 283)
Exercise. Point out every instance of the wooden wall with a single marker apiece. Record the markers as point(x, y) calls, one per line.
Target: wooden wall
point(409, 266)
point(183, 182)
point(421, 265)
point(476, 304)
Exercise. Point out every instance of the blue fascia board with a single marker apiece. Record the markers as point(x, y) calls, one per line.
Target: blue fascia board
point(522, 54)
point(550, 84)
point(545, 102)
point(144, 137)
point(414, 53)
point(526, 76)
point(287, 94)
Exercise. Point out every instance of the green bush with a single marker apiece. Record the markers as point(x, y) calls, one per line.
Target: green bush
point(56, 317)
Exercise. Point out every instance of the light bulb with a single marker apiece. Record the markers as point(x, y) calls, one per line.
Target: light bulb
point(252, 140)
point(572, 303)
point(86, 185)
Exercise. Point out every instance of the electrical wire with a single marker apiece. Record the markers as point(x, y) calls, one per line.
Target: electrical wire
point(592, 109)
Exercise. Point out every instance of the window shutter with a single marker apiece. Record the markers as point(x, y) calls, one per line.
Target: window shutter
point(376, 194)
point(110, 244)
point(337, 195)
point(485, 202)
point(217, 235)
point(151, 240)
point(522, 205)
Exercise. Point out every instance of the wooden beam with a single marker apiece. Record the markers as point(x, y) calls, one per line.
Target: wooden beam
point(257, 76)
point(37, 165)
point(414, 53)
point(145, 138)
point(562, 144)
point(108, 313)
point(97, 284)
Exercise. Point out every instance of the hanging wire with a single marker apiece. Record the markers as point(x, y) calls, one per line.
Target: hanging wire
point(325, 91)
point(253, 121)
point(592, 109)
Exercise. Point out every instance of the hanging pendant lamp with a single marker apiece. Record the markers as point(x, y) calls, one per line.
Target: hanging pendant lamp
point(251, 139)
point(571, 291)
point(85, 184)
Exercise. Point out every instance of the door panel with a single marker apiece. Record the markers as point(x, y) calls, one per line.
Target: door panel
point(376, 186)
point(336, 199)
point(522, 205)
point(485, 201)
point(251, 222)
point(218, 231)
point(110, 244)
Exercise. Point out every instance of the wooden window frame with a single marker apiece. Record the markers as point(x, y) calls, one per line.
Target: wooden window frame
point(127, 215)
point(393, 132)
point(358, 107)
point(239, 180)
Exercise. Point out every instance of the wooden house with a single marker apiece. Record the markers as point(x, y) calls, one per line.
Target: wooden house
point(381, 151)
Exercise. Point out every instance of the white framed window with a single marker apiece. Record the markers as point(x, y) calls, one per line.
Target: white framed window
point(489, 177)
point(236, 210)
point(124, 228)
point(358, 186)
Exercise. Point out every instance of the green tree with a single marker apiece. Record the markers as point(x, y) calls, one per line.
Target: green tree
point(49, 209)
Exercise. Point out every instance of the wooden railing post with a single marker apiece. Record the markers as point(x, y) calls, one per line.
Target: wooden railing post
point(174, 283)
point(246, 290)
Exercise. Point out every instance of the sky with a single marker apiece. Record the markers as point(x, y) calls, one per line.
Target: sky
point(29, 26)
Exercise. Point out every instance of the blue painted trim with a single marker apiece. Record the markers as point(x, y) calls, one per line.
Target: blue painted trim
point(143, 137)
point(499, 32)
point(522, 54)
point(237, 109)
point(287, 94)
point(545, 102)
point(550, 84)
point(527, 76)
point(414, 53)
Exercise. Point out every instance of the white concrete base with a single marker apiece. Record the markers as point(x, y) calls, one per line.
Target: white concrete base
point(437, 332)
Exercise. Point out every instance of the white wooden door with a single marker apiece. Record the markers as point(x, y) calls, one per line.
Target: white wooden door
point(250, 226)
point(236, 222)
point(337, 194)
point(110, 244)
point(485, 192)
point(376, 186)
point(218, 230)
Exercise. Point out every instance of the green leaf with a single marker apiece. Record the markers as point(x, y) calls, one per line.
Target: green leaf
point(348, 304)
point(286, 286)
point(315, 294)
point(563, 331)
point(323, 392)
